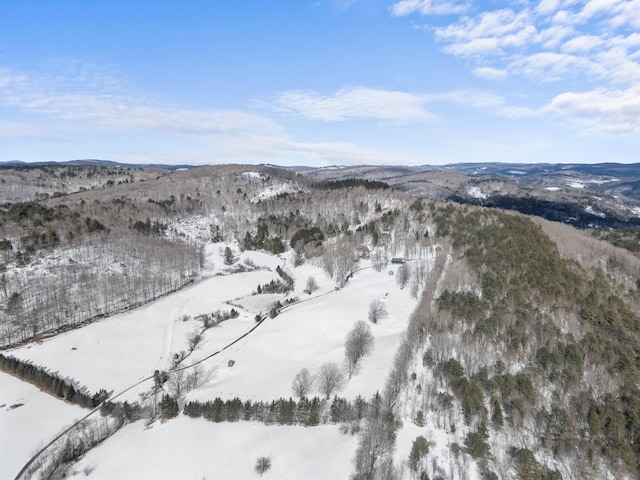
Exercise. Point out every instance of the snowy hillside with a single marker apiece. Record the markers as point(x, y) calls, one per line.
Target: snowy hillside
point(186, 448)
point(28, 419)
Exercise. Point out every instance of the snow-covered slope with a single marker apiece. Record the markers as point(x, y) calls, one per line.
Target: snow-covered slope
point(28, 418)
point(184, 448)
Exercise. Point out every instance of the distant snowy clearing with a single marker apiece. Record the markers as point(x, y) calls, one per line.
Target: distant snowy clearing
point(476, 192)
point(198, 449)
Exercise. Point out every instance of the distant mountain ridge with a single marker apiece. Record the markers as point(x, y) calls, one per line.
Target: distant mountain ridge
point(602, 195)
point(94, 163)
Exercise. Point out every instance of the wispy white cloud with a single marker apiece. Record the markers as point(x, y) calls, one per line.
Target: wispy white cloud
point(490, 33)
point(490, 73)
point(595, 42)
point(23, 130)
point(480, 100)
point(286, 150)
point(627, 13)
point(98, 102)
point(582, 43)
point(610, 110)
point(429, 7)
point(545, 7)
point(355, 103)
point(93, 103)
point(392, 106)
point(549, 66)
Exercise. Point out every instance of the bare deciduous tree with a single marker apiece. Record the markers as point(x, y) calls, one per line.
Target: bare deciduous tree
point(196, 377)
point(379, 259)
point(403, 275)
point(373, 457)
point(177, 383)
point(303, 383)
point(312, 285)
point(377, 311)
point(359, 342)
point(194, 339)
point(339, 259)
point(330, 379)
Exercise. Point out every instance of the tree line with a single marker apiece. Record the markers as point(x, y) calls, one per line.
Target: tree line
point(51, 383)
point(305, 411)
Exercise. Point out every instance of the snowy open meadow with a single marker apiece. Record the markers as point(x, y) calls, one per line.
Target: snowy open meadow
point(117, 352)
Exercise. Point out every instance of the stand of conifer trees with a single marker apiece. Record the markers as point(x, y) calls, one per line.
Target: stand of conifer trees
point(51, 382)
point(306, 411)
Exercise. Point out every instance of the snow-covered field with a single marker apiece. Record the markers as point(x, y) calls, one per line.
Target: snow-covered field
point(117, 352)
point(308, 334)
point(28, 419)
point(186, 448)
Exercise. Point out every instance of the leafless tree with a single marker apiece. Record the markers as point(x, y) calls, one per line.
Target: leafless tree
point(312, 285)
point(359, 342)
point(330, 379)
point(379, 259)
point(377, 311)
point(377, 441)
point(196, 377)
point(302, 383)
point(177, 383)
point(403, 275)
point(194, 339)
point(339, 259)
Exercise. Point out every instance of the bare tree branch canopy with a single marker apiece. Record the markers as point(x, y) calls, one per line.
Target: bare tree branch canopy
point(312, 285)
point(359, 342)
point(330, 379)
point(403, 275)
point(377, 311)
point(302, 383)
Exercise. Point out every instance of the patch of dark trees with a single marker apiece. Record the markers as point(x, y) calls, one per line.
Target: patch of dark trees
point(305, 411)
point(51, 383)
point(350, 183)
point(285, 276)
point(149, 228)
point(307, 235)
point(263, 240)
point(564, 212)
point(274, 286)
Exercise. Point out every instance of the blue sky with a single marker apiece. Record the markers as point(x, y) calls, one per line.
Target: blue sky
point(320, 82)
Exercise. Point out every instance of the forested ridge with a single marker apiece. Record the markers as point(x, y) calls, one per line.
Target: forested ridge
point(530, 341)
